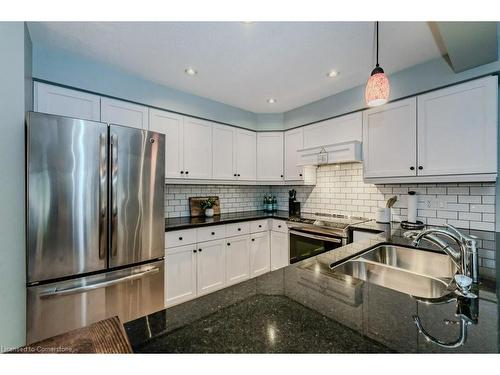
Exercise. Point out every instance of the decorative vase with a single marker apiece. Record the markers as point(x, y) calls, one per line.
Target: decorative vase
point(209, 212)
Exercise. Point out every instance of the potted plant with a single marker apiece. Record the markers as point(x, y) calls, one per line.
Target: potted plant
point(208, 206)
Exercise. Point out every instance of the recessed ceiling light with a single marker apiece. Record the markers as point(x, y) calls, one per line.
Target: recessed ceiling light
point(332, 74)
point(190, 72)
point(271, 100)
point(248, 22)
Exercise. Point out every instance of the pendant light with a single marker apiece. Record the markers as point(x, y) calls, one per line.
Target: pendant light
point(377, 88)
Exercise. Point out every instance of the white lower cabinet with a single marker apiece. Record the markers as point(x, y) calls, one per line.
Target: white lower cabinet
point(280, 256)
point(211, 266)
point(237, 253)
point(180, 278)
point(237, 259)
point(260, 254)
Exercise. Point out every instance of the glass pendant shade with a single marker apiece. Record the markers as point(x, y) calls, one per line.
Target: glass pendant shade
point(377, 89)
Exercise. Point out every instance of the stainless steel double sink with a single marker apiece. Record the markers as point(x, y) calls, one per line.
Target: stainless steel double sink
point(417, 272)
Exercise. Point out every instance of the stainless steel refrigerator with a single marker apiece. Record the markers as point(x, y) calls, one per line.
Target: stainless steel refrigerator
point(95, 223)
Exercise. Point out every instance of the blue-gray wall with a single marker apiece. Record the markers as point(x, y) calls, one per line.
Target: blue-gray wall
point(414, 80)
point(68, 69)
point(15, 68)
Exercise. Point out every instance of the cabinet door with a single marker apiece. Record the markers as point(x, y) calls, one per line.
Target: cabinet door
point(280, 256)
point(123, 113)
point(60, 101)
point(237, 259)
point(336, 130)
point(172, 125)
point(246, 154)
point(270, 156)
point(180, 277)
point(294, 141)
point(260, 254)
point(457, 129)
point(389, 140)
point(197, 148)
point(211, 266)
point(224, 167)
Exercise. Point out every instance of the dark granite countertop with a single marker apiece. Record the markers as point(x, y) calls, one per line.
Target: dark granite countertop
point(339, 313)
point(186, 222)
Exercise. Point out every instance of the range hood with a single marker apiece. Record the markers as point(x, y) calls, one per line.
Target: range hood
point(345, 152)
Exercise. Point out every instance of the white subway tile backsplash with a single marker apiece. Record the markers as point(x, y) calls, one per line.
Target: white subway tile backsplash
point(458, 204)
point(340, 189)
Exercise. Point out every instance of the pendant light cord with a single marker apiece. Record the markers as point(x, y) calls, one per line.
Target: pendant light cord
point(376, 23)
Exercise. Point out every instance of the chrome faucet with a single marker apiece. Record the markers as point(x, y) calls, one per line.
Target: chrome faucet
point(465, 259)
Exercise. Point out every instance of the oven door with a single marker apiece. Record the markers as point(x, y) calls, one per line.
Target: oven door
point(305, 245)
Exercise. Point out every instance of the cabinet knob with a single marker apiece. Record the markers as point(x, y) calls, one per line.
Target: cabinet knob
point(282, 176)
point(182, 172)
point(238, 175)
point(420, 167)
point(187, 172)
point(260, 226)
point(239, 229)
point(253, 239)
point(213, 233)
point(279, 226)
point(235, 175)
point(412, 168)
point(180, 238)
point(228, 244)
point(194, 251)
point(300, 174)
point(199, 250)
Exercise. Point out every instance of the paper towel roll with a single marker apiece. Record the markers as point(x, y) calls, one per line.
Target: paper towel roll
point(412, 207)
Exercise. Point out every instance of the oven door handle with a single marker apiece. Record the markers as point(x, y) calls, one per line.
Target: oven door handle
point(316, 237)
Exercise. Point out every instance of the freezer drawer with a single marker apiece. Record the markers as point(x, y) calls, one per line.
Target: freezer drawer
point(128, 293)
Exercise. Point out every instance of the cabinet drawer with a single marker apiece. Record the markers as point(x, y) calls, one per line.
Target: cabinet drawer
point(180, 237)
point(259, 226)
point(237, 229)
point(214, 232)
point(279, 226)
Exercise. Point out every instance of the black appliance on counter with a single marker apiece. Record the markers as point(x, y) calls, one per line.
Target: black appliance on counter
point(293, 205)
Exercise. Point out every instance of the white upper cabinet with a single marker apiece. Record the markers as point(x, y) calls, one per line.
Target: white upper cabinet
point(246, 154)
point(172, 125)
point(224, 152)
point(197, 148)
point(60, 101)
point(337, 130)
point(389, 140)
point(270, 156)
point(124, 113)
point(294, 141)
point(457, 129)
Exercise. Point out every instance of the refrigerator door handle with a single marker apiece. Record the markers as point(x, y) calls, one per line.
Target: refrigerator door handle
point(52, 292)
point(114, 182)
point(103, 171)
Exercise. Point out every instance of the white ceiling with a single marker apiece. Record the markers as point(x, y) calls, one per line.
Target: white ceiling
point(244, 64)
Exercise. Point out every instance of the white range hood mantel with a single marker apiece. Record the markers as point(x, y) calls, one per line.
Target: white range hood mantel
point(345, 152)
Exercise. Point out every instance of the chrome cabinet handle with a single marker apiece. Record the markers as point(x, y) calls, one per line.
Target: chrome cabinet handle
point(103, 201)
point(82, 289)
point(114, 183)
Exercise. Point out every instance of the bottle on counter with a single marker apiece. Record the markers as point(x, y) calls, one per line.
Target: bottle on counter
point(274, 204)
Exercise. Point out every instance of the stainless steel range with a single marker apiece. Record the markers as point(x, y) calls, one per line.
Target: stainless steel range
point(313, 234)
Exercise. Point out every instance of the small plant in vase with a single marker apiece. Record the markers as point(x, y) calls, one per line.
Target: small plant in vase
point(208, 206)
